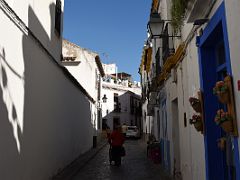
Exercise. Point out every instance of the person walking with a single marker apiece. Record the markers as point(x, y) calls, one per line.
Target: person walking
point(124, 129)
point(117, 140)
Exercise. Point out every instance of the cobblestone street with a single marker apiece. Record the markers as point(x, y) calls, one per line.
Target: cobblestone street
point(134, 166)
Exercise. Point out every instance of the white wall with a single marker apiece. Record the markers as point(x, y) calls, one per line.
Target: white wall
point(110, 68)
point(44, 117)
point(195, 140)
point(233, 11)
point(192, 155)
point(124, 98)
point(85, 71)
point(28, 10)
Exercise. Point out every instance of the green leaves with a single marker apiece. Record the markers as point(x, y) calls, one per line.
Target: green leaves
point(178, 11)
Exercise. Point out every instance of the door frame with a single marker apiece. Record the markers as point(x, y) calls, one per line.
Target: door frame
point(212, 132)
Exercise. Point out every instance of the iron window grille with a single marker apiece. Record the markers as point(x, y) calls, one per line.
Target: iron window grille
point(166, 50)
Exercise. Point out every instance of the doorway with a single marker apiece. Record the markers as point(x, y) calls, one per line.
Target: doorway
point(116, 122)
point(175, 140)
point(215, 64)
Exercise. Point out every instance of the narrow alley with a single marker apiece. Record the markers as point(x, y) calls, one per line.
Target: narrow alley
point(160, 77)
point(135, 165)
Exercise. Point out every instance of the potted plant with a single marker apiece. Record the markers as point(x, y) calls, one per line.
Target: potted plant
point(196, 104)
point(221, 90)
point(197, 122)
point(224, 120)
point(178, 10)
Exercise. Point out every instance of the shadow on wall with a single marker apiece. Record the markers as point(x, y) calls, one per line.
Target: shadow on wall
point(8, 121)
point(56, 115)
point(127, 112)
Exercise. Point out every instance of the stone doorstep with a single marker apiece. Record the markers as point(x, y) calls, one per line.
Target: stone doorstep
point(72, 169)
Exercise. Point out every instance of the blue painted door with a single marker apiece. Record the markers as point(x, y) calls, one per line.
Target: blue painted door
point(214, 66)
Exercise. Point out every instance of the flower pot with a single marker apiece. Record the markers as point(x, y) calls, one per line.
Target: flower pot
point(197, 107)
point(223, 97)
point(227, 126)
point(196, 104)
point(198, 125)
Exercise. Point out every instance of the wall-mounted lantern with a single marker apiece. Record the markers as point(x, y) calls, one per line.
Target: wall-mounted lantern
point(156, 26)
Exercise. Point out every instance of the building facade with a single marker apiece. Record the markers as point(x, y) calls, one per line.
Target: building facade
point(44, 112)
point(121, 100)
point(184, 62)
point(87, 69)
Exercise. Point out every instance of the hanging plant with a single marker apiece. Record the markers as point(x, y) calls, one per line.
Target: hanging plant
point(224, 119)
point(221, 90)
point(197, 122)
point(178, 11)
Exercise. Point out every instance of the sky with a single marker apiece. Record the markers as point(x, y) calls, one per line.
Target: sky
point(115, 29)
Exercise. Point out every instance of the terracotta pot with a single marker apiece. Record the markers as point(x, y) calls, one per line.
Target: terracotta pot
point(196, 104)
point(223, 97)
point(197, 107)
point(227, 126)
point(198, 125)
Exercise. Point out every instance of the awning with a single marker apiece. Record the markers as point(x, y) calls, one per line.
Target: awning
point(149, 59)
point(143, 60)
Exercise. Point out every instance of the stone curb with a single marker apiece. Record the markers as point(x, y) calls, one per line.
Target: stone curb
point(72, 169)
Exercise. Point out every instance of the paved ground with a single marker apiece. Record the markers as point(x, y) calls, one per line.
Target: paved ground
point(135, 166)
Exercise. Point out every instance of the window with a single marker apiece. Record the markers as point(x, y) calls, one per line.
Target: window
point(99, 119)
point(58, 14)
point(117, 105)
point(104, 124)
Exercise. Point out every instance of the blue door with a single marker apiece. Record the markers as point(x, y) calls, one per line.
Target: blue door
point(214, 66)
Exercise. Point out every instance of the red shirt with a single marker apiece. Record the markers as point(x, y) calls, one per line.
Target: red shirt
point(117, 138)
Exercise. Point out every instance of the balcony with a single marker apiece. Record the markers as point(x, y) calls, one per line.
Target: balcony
point(166, 50)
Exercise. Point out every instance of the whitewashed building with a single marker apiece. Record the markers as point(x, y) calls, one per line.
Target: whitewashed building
point(121, 100)
point(87, 69)
point(45, 117)
point(177, 65)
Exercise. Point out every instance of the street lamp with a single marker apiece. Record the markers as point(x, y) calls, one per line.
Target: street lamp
point(155, 25)
point(104, 98)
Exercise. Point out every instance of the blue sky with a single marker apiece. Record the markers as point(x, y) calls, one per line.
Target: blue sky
point(114, 29)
